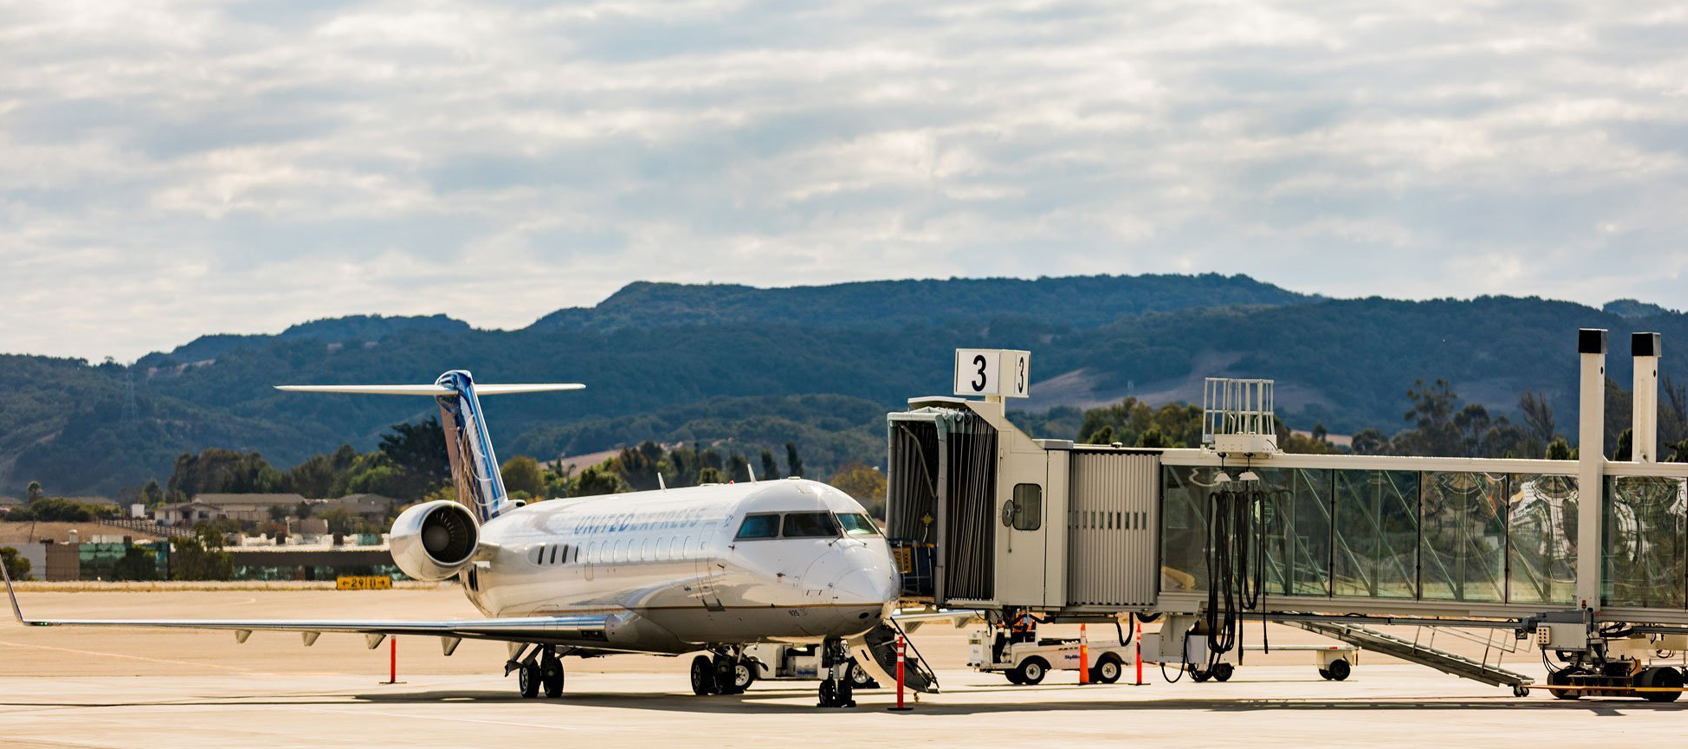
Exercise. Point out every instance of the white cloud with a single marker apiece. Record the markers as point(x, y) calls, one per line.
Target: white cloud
point(174, 168)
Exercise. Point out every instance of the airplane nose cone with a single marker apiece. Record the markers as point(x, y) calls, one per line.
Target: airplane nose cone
point(866, 587)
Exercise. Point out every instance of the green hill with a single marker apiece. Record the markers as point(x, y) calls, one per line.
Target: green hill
point(818, 365)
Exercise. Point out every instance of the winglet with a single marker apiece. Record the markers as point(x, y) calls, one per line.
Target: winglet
point(12, 594)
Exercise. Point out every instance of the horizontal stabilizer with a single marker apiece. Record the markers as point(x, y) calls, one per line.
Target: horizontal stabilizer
point(435, 390)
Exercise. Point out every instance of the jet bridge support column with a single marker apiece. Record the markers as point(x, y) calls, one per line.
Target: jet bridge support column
point(1591, 460)
point(1644, 432)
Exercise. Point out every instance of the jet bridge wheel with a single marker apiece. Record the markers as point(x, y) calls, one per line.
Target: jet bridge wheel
point(1665, 677)
point(703, 675)
point(1560, 678)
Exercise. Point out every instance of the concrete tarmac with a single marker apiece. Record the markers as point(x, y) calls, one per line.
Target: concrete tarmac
point(114, 688)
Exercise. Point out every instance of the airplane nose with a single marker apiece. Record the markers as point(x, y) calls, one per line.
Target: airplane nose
point(866, 586)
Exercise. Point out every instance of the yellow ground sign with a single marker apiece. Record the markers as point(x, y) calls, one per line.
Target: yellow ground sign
point(363, 582)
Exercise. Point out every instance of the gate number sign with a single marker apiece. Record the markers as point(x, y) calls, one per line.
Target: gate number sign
point(993, 372)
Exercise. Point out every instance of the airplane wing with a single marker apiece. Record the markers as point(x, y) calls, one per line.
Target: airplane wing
point(578, 630)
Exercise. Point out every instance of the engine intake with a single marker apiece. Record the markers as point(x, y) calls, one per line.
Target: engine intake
point(434, 540)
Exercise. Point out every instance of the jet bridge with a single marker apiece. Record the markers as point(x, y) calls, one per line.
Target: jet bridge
point(983, 516)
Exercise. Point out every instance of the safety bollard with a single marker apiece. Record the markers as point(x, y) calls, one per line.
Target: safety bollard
point(1083, 654)
point(1139, 657)
point(392, 660)
point(901, 656)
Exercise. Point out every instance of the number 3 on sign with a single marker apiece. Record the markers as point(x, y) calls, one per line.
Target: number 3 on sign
point(992, 372)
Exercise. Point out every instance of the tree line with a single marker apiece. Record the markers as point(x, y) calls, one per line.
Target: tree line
point(1438, 423)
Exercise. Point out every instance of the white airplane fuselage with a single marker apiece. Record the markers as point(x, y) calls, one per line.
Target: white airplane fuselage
point(670, 571)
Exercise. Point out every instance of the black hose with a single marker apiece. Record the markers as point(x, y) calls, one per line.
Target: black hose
point(1236, 573)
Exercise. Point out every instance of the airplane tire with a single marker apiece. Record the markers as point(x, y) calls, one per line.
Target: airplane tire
point(703, 675)
point(551, 676)
point(1223, 672)
point(527, 680)
point(744, 674)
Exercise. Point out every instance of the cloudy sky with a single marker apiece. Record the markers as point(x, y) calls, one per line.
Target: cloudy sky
point(174, 168)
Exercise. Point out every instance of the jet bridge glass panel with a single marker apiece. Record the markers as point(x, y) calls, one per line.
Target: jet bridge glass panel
point(1644, 542)
point(1185, 508)
point(1375, 543)
point(1541, 563)
point(1463, 526)
point(1449, 536)
point(1296, 515)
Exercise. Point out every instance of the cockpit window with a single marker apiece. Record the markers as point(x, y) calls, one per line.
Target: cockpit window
point(810, 525)
point(857, 524)
point(759, 526)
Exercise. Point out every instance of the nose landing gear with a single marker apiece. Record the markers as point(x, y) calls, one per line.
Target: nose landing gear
point(838, 688)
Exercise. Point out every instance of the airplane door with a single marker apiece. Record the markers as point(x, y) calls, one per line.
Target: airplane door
point(709, 571)
point(1022, 510)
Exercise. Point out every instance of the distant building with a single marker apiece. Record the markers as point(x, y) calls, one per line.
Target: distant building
point(7, 503)
point(254, 507)
point(64, 562)
point(187, 513)
point(371, 507)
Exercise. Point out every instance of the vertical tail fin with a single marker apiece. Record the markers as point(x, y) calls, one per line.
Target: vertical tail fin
point(474, 466)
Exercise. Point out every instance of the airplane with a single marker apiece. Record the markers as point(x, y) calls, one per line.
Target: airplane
point(714, 568)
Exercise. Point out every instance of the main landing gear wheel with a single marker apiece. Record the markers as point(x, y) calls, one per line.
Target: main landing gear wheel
point(1223, 672)
point(527, 680)
point(1107, 670)
point(551, 675)
point(1200, 675)
point(703, 675)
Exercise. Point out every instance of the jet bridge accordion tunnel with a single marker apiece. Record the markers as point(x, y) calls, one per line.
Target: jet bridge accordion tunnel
point(980, 515)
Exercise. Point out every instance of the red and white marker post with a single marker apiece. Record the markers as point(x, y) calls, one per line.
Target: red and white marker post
point(392, 661)
point(901, 657)
point(1083, 654)
point(1139, 656)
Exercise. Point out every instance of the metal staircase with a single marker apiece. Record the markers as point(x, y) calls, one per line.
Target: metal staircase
point(1422, 654)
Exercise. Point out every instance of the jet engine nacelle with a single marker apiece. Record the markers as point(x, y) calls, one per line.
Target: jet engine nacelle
point(434, 540)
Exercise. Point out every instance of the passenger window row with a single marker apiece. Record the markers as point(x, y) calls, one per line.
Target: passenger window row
point(554, 554)
point(617, 551)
